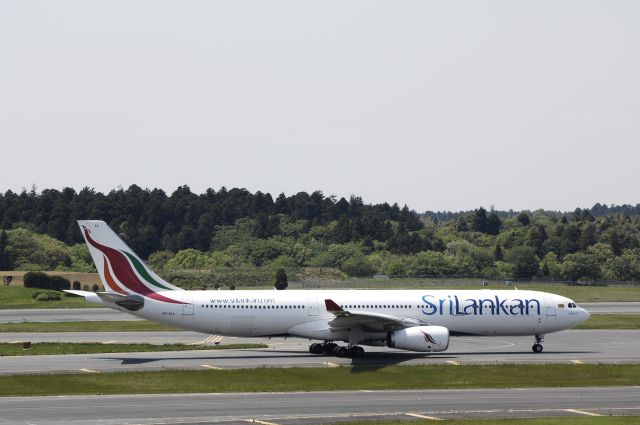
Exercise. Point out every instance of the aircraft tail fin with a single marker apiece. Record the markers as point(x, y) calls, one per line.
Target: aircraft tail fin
point(120, 269)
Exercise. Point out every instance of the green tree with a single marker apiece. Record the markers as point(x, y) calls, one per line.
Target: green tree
point(467, 258)
point(188, 259)
point(5, 261)
point(461, 224)
point(428, 263)
point(280, 280)
point(549, 266)
point(479, 220)
point(358, 266)
point(580, 265)
point(159, 259)
point(523, 218)
point(536, 238)
point(524, 260)
point(493, 224)
point(497, 253)
point(626, 267)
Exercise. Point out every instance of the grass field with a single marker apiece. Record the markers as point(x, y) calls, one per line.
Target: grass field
point(48, 348)
point(611, 321)
point(322, 379)
point(579, 420)
point(91, 326)
point(20, 297)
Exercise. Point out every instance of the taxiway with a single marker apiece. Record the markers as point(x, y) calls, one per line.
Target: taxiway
point(319, 407)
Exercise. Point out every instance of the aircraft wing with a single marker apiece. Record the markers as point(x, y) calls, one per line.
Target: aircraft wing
point(369, 321)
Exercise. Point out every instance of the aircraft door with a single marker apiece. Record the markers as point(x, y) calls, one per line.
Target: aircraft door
point(551, 307)
point(312, 307)
point(187, 308)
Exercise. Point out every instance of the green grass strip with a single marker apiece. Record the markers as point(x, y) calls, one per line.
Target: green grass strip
point(49, 348)
point(574, 420)
point(91, 326)
point(611, 321)
point(322, 379)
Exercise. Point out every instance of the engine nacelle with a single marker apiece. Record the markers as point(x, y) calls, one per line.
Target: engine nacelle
point(420, 338)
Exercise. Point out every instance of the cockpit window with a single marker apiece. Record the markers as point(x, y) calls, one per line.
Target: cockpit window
point(573, 305)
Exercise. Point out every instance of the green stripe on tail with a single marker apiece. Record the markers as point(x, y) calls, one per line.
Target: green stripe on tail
point(141, 269)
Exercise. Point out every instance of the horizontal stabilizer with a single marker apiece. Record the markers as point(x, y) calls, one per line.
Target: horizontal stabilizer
point(128, 301)
point(91, 297)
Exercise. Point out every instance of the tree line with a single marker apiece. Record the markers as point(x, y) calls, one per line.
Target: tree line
point(239, 230)
point(150, 220)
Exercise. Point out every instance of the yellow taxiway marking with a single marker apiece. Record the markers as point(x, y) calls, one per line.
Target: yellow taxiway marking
point(416, 415)
point(577, 362)
point(208, 366)
point(331, 364)
point(256, 421)
point(90, 371)
point(453, 363)
point(214, 339)
point(582, 412)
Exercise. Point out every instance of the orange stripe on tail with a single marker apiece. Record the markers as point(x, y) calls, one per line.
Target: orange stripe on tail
point(110, 281)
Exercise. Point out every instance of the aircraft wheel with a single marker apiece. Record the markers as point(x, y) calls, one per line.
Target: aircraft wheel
point(356, 351)
point(316, 348)
point(329, 347)
point(537, 348)
point(341, 351)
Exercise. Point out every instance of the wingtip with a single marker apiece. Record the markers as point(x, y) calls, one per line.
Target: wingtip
point(332, 306)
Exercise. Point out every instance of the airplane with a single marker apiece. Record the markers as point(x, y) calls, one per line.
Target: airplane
point(413, 320)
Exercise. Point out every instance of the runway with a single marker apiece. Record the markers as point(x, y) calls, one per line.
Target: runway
point(570, 347)
point(612, 308)
point(63, 315)
point(103, 314)
point(319, 407)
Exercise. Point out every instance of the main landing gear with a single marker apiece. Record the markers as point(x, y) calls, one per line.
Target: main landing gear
point(537, 347)
point(331, 348)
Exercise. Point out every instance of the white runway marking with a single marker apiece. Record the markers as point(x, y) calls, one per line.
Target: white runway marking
point(582, 412)
point(256, 421)
point(416, 415)
point(208, 366)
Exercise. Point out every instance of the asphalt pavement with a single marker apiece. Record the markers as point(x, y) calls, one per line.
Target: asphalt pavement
point(570, 347)
point(318, 407)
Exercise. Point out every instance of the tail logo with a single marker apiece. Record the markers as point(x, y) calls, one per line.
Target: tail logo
point(428, 338)
point(120, 263)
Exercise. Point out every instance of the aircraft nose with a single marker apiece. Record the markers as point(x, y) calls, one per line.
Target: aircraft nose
point(585, 314)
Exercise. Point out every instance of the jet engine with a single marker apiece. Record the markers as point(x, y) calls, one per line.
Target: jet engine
point(420, 338)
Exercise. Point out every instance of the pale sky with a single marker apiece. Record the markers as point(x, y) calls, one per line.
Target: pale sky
point(444, 105)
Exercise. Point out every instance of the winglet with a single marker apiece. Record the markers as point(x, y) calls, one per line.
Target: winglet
point(332, 307)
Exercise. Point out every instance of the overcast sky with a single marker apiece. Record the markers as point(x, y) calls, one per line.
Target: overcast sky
point(443, 105)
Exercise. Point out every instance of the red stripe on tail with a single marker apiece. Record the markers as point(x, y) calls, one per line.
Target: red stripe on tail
point(124, 272)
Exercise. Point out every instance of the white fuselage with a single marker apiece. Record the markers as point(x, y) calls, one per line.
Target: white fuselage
point(302, 313)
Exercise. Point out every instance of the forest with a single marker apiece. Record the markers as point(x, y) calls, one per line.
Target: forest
point(252, 234)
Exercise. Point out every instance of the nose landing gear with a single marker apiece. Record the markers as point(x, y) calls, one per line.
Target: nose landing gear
point(537, 347)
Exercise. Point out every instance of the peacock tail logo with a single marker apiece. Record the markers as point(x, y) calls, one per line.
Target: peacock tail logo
point(428, 338)
point(121, 262)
